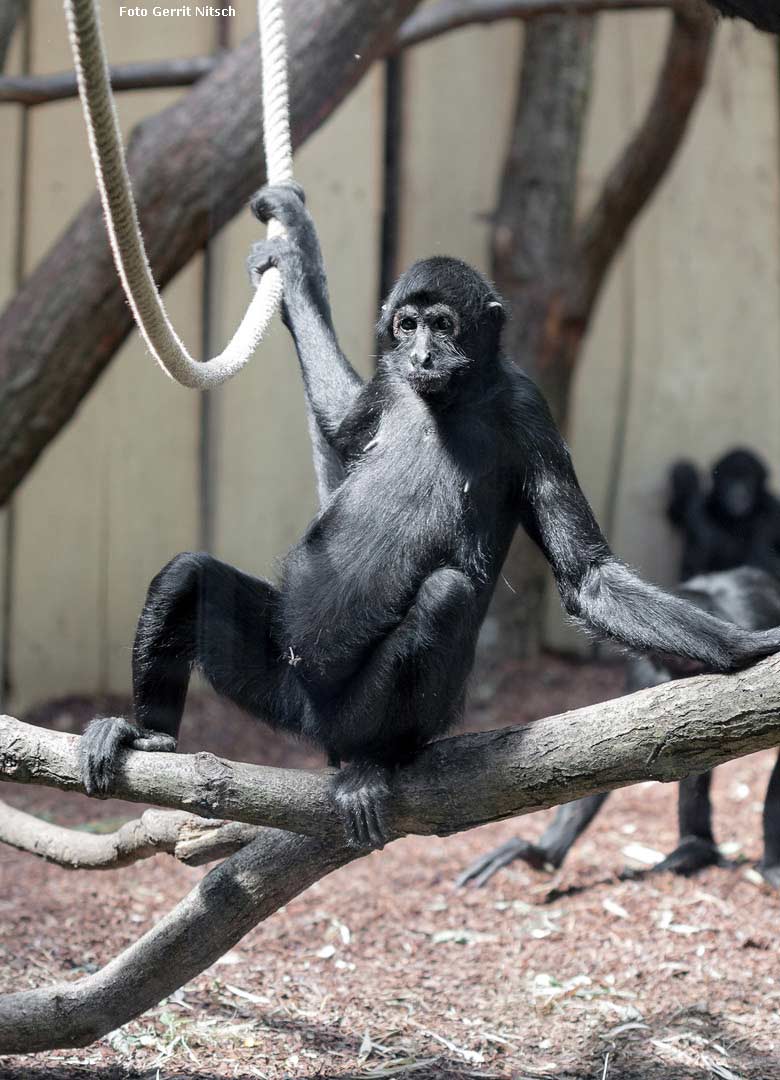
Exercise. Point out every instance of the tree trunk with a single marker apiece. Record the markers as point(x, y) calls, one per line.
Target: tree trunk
point(552, 271)
point(532, 243)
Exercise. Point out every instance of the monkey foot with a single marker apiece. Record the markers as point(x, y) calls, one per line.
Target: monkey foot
point(360, 792)
point(483, 868)
point(692, 854)
point(101, 746)
point(770, 874)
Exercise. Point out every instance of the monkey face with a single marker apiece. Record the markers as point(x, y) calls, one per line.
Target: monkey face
point(738, 484)
point(426, 349)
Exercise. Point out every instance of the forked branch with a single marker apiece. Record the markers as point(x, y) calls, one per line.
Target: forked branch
point(664, 733)
point(644, 162)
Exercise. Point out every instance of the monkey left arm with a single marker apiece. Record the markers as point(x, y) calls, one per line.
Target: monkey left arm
point(330, 382)
point(596, 588)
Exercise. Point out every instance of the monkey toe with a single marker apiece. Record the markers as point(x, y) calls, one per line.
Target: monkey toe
point(770, 873)
point(482, 869)
point(154, 741)
point(99, 749)
point(360, 793)
point(691, 855)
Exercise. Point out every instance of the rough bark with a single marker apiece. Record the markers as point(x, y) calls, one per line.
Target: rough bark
point(664, 733)
point(225, 905)
point(55, 341)
point(552, 271)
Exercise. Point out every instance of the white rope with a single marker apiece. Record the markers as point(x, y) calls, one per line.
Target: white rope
point(108, 156)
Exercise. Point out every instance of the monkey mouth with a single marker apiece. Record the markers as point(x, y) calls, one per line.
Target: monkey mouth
point(429, 382)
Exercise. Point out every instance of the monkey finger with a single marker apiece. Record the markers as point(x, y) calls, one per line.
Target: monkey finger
point(354, 824)
point(284, 202)
point(374, 823)
point(264, 255)
point(770, 874)
point(154, 741)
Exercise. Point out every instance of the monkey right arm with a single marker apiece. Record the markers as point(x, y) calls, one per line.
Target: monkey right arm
point(330, 381)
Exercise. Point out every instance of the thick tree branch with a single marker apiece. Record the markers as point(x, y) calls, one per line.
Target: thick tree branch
point(225, 905)
point(193, 840)
point(193, 167)
point(663, 733)
point(645, 160)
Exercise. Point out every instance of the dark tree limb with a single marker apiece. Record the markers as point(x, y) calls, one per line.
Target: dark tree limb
point(664, 733)
point(420, 27)
point(220, 910)
point(190, 839)
point(531, 245)
point(552, 270)
point(644, 162)
point(41, 89)
point(55, 341)
point(448, 15)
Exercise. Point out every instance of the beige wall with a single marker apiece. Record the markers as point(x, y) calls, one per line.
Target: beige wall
point(684, 348)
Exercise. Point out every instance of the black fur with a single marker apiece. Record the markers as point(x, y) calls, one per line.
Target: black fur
point(424, 474)
point(735, 522)
point(763, 14)
point(746, 596)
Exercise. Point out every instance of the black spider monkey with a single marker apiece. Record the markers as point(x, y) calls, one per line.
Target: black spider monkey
point(424, 473)
point(736, 522)
point(746, 596)
point(763, 14)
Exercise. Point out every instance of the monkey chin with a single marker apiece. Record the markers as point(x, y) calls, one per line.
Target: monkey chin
point(429, 384)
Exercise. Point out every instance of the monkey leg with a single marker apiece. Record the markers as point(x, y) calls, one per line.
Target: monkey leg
point(549, 852)
point(697, 847)
point(770, 864)
point(410, 690)
point(201, 613)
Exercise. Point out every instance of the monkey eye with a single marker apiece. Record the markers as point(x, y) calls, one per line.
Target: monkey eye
point(442, 324)
point(408, 323)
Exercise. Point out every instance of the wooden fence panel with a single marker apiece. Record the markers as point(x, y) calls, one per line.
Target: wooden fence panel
point(706, 315)
point(115, 493)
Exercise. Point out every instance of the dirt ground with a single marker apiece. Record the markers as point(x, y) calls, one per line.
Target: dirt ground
point(385, 969)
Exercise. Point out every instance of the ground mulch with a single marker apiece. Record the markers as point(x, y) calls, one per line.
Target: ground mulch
point(385, 969)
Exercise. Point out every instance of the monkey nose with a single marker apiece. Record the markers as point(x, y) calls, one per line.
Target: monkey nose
point(422, 360)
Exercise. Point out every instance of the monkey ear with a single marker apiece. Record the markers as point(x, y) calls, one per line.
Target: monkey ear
point(496, 312)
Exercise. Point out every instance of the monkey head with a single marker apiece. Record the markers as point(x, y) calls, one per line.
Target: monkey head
point(738, 485)
point(764, 14)
point(441, 325)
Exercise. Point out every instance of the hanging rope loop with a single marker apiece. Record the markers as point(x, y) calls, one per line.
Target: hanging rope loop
point(127, 245)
